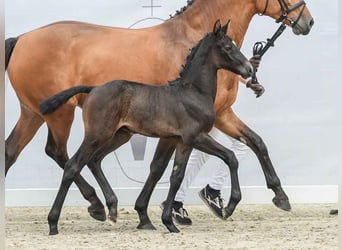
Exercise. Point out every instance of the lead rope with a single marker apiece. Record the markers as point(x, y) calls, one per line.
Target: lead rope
point(260, 48)
point(131, 178)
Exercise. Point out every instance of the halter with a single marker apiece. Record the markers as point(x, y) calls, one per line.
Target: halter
point(286, 10)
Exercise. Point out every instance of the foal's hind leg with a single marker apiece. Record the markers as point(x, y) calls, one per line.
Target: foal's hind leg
point(26, 127)
point(230, 124)
point(120, 138)
point(162, 156)
point(59, 130)
point(92, 143)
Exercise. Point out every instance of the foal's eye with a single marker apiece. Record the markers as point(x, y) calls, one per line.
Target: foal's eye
point(228, 47)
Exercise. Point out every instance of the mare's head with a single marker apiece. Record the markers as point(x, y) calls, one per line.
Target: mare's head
point(226, 55)
point(291, 12)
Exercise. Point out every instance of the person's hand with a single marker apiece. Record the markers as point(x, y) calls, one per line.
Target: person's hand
point(255, 61)
point(256, 87)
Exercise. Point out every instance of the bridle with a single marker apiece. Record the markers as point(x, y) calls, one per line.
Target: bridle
point(286, 10)
point(260, 48)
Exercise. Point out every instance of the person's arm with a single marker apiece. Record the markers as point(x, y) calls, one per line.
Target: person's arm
point(243, 80)
point(256, 87)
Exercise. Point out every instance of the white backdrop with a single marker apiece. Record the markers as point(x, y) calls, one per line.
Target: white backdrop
point(297, 116)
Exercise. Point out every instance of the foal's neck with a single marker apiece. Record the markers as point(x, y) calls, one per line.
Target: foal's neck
point(201, 74)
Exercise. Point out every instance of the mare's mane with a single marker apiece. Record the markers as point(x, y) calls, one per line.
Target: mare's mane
point(178, 12)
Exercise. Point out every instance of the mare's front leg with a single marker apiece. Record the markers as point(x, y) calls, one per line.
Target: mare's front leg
point(120, 138)
point(230, 124)
point(162, 156)
point(208, 145)
point(181, 159)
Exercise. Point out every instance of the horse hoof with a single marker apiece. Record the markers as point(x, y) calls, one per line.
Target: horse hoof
point(225, 216)
point(147, 226)
point(112, 220)
point(333, 211)
point(172, 228)
point(226, 213)
point(53, 232)
point(98, 214)
point(283, 204)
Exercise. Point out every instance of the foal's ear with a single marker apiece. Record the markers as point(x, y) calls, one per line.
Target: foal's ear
point(217, 27)
point(225, 27)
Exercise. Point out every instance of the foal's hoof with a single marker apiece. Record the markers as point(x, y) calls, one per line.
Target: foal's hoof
point(97, 214)
point(172, 228)
point(333, 212)
point(283, 204)
point(53, 231)
point(226, 213)
point(112, 220)
point(147, 226)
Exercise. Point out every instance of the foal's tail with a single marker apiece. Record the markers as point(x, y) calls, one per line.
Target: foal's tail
point(9, 46)
point(52, 103)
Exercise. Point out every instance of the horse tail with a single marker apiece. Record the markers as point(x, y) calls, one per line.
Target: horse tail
point(9, 46)
point(52, 103)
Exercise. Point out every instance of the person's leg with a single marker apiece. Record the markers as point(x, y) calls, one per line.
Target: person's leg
point(222, 173)
point(196, 161)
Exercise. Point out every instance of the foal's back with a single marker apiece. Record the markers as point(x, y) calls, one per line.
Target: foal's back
point(143, 108)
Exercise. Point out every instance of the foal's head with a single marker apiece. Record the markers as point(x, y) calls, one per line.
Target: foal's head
point(226, 55)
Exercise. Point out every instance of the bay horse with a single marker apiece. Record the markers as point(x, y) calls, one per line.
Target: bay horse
point(181, 111)
point(63, 55)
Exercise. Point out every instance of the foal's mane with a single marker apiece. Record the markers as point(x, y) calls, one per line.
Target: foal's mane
point(189, 59)
point(178, 12)
point(190, 56)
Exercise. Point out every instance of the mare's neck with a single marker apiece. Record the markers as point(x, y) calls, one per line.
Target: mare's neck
point(199, 18)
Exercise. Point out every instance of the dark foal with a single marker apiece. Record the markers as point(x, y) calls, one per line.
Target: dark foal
point(181, 112)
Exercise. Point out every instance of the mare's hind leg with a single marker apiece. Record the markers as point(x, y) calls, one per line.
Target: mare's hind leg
point(26, 127)
point(59, 130)
point(120, 138)
point(182, 155)
point(230, 124)
point(162, 156)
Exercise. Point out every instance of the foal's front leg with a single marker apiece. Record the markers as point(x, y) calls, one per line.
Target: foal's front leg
point(182, 155)
point(208, 145)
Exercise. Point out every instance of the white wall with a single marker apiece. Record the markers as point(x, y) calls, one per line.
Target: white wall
point(297, 116)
